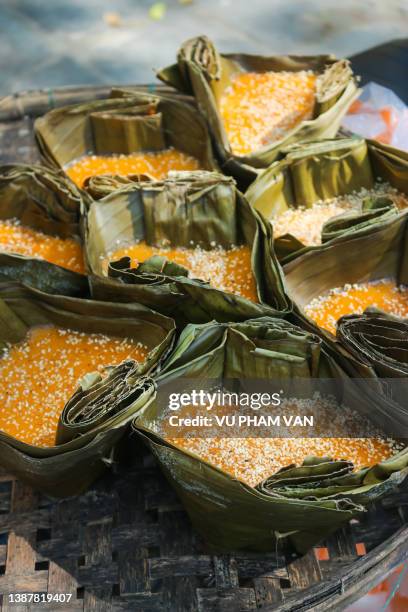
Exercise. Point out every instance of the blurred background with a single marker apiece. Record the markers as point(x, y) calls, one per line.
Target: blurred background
point(81, 42)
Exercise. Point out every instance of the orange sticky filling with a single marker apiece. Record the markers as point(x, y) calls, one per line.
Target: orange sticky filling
point(156, 164)
point(260, 108)
point(253, 459)
point(39, 375)
point(64, 252)
point(228, 270)
point(354, 299)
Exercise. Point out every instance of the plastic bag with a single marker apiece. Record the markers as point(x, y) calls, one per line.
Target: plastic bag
point(380, 114)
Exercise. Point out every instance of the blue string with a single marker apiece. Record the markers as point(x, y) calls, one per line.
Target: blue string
point(396, 587)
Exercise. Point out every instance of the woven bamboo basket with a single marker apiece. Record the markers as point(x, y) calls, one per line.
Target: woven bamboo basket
point(128, 545)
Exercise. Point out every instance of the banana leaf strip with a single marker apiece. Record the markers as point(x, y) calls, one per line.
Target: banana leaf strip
point(124, 125)
point(46, 201)
point(102, 185)
point(205, 73)
point(202, 207)
point(304, 503)
point(126, 91)
point(316, 171)
point(97, 416)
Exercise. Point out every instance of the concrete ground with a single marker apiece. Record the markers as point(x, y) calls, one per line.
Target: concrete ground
point(73, 42)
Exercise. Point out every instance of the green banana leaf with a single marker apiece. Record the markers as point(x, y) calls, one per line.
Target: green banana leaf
point(202, 207)
point(316, 171)
point(46, 201)
point(304, 503)
point(97, 416)
point(205, 73)
point(125, 125)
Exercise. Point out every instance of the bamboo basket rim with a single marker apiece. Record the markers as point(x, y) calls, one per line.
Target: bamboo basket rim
point(36, 102)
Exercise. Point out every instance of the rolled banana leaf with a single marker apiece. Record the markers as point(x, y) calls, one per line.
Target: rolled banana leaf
point(96, 417)
point(206, 74)
point(304, 503)
point(140, 122)
point(201, 208)
point(317, 171)
point(378, 340)
point(46, 201)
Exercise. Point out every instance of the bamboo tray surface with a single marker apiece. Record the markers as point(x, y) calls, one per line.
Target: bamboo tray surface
point(127, 544)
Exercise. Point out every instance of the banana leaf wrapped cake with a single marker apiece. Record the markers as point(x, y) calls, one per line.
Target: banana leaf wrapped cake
point(141, 134)
point(346, 277)
point(256, 105)
point(354, 294)
point(74, 372)
point(39, 230)
point(248, 491)
point(324, 191)
point(190, 247)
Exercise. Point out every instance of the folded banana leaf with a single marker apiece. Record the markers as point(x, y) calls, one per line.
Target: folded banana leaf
point(46, 201)
point(140, 122)
point(96, 417)
point(305, 502)
point(100, 186)
point(317, 171)
point(373, 209)
point(203, 208)
point(206, 74)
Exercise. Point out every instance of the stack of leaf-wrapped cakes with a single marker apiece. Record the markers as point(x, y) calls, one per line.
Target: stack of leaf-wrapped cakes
point(213, 230)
